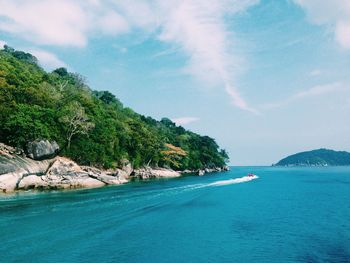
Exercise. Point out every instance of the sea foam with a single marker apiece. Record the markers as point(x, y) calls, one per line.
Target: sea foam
point(234, 181)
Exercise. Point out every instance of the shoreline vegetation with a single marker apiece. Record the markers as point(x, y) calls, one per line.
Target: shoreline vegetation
point(45, 115)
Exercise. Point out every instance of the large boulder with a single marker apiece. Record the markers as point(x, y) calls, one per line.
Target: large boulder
point(14, 166)
point(127, 168)
point(107, 177)
point(201, 172)
point(43, 149)
point(147, 173)
point(17, 172)
point(124, 172)
point(32, 182)
point(9, 181)
point(65, 173)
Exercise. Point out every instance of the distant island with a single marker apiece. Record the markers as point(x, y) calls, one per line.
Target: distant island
point(320, 157)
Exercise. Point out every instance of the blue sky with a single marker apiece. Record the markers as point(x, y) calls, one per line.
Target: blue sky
point(264, 78)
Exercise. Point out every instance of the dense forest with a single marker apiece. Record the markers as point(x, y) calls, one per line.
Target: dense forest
point(91, 127)
point(320, 157)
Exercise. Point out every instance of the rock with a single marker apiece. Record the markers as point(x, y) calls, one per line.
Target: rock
point(14, 167)
point(12, 163)
point(107, 179)
point(32, 182)
point(63, 166)
point(122, 173)
point(65, 173)
point(71, 181)
point(226, 168)
point(43, 149)
point(123, 176)
point(18, 172)
point(111, 177)
point(147, 173)
point(8, 181)
point(127, 168)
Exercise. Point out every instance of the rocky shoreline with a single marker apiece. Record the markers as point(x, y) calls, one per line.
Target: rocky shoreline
point(20, 172)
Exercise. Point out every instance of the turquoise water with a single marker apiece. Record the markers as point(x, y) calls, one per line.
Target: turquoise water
point(287, 215)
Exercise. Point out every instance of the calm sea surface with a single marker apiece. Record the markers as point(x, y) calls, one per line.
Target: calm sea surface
point(287, 215)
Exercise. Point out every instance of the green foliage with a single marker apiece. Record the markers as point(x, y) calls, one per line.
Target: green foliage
point(75, 121)
point(320, 157)
point(29, 122)
point(92, 127)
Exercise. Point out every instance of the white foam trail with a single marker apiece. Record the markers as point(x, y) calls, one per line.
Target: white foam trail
point(234, 181)
point(186, 188)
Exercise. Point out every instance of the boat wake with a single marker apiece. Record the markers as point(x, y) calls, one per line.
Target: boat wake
point(243, 179)
point(191, 187)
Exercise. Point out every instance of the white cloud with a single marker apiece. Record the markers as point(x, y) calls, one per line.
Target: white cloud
point(199, 29)
point(196, 28)
point(335, 13)
point(342, 33)
point(47, 59)
point(315, 72)
point(2, 44)
point(318, 90)
point(139, 13)
point(315, 91)
point(184, 120)
point(60, 23)
point(45, 22)
point(112, 24)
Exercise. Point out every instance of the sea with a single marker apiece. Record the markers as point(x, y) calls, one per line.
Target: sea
point(285, 214)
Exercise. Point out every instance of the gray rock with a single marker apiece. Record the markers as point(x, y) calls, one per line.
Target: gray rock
point(43, 149)
point(10, 164)
point(32, 182)
point(226, 168)
point(65, 173)
point(9, 181)
point(107, 179)
point(147, 173)
point(110, 177)
point(127, 168)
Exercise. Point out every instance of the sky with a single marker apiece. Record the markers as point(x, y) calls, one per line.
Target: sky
point(265, 78)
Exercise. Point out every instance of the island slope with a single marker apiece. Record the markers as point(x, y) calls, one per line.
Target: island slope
point(91, 127)
point(320, 157)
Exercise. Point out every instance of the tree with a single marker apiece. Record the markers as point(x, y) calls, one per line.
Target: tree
point(173, 154)
point(167, 122)
point(95, 126)
point(224, 155)
point(75, 121)
point(61, 72)
point(27, 123)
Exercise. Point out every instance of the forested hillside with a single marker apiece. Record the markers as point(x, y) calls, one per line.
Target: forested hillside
point(91, 127)
point(320, 157)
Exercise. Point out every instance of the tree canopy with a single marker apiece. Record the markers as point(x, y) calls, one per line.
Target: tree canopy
point(91, 127)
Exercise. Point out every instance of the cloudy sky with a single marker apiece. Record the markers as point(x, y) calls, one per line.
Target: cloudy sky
point(265, 78)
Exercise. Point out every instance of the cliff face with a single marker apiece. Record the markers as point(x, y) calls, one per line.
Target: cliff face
point(18, 172)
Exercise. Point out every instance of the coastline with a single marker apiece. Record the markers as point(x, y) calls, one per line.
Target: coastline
point(18, 172)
